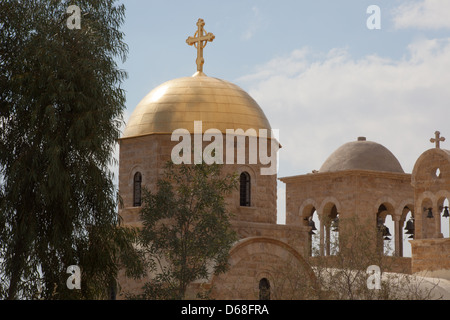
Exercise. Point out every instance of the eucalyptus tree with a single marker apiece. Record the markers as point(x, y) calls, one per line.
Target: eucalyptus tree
point(187, 232)
point(61, 105)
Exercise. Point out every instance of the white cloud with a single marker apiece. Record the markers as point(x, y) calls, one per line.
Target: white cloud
point(254, 24)
point(321, 101)
point(426, 14)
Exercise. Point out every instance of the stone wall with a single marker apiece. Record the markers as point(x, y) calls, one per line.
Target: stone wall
point(432, 187)
point(294, 236)
point(148, 155)
point(356, 194)
point(353, 192)
point(431, 257)
point(254, 259)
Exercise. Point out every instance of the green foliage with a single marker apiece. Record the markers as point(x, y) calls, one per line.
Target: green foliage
point(60, 115)
point(186, 232)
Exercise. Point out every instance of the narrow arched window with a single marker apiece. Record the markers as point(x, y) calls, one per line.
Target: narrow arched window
point(264, 289)
point(245, 189)
point(137, 185)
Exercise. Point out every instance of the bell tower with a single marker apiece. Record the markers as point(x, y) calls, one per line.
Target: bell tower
point(431, 182)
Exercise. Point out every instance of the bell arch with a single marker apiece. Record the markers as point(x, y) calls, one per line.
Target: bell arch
point(425, 216)
point(443, 205)
point(406, 230)
point(309, 217)
point(329, 226)
point(385, 225)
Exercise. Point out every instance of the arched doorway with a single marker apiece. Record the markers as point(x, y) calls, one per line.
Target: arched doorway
point(264, 289)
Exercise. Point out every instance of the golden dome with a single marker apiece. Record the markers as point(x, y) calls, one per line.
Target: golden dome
point(177, 103)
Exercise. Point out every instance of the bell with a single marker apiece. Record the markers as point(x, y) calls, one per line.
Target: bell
point(386, 232)
point(430, 213)
point(312, 225)
point(446, 214)
point(409, 227)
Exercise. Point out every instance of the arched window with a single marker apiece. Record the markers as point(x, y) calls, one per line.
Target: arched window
point(245, 189)
point(264, 289)
point(137, 184)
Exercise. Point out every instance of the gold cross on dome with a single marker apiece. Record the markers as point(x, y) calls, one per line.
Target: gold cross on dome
point(199, 40)
point(437, 139)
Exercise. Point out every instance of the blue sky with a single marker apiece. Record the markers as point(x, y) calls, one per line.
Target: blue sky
point(248, 34)
point(320, 75)
point(277, 36)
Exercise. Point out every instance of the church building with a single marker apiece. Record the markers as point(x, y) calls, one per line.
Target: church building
point(360, 179)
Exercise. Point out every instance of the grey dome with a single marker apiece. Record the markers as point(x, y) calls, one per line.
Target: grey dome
point(362, 155)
